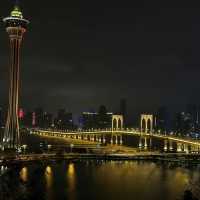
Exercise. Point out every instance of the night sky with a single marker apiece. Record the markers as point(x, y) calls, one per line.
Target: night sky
point(80, 54)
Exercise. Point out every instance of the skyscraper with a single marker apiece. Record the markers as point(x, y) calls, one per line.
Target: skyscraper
point(163, 119)
point(123, 110)
point(16, 26)
point(0, 116)
point(63, 120)
point(39, 117)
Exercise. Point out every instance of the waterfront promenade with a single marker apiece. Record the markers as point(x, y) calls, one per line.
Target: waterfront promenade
point(151, 156)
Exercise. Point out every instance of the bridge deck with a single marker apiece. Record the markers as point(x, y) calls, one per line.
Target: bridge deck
point(120, 132)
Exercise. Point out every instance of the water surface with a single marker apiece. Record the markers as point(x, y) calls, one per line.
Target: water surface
point(105, 180)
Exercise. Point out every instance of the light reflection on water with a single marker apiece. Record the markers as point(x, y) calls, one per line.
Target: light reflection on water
point(49, 182)
point(49, 177)
point(71, 180)
point(107, 180)
point(24, 174)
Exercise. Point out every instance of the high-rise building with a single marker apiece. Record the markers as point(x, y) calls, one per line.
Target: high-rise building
point(48, 120)
point(163, 120)
point(123, 110)
point(89, 120)
point(104, 119)
point(183, 123)
point(1, 117)
point(1, 123)
point(28, 118)
point(16, 26)
point(33, 120)
point(63, 120)
point(193, 111)
point(21, 117)
point(39, 117)
point(101, 119)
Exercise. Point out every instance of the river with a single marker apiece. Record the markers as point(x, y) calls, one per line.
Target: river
point(100, 180)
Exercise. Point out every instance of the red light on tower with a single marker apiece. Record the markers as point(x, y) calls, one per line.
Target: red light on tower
point(21, 113)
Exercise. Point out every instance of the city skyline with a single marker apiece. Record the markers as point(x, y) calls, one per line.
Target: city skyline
point(98, 58)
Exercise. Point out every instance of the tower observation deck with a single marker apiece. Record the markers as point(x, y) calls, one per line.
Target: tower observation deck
point(16, 26)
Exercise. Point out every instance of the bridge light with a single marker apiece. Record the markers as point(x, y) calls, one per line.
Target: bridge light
point(24, 146)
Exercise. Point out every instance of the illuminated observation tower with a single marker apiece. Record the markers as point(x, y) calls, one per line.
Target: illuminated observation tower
point(16, 27)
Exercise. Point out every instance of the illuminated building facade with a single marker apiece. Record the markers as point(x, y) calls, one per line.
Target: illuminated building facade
point(94, 120)
point(63, 120)
point(16, 26)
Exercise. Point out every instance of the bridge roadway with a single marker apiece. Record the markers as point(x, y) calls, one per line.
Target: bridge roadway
point(188, 141)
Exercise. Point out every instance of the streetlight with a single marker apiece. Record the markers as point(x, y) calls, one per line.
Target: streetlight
point(49, 146)
point(71, 147)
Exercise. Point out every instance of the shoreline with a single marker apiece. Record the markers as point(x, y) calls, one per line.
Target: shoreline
point(178, 158)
